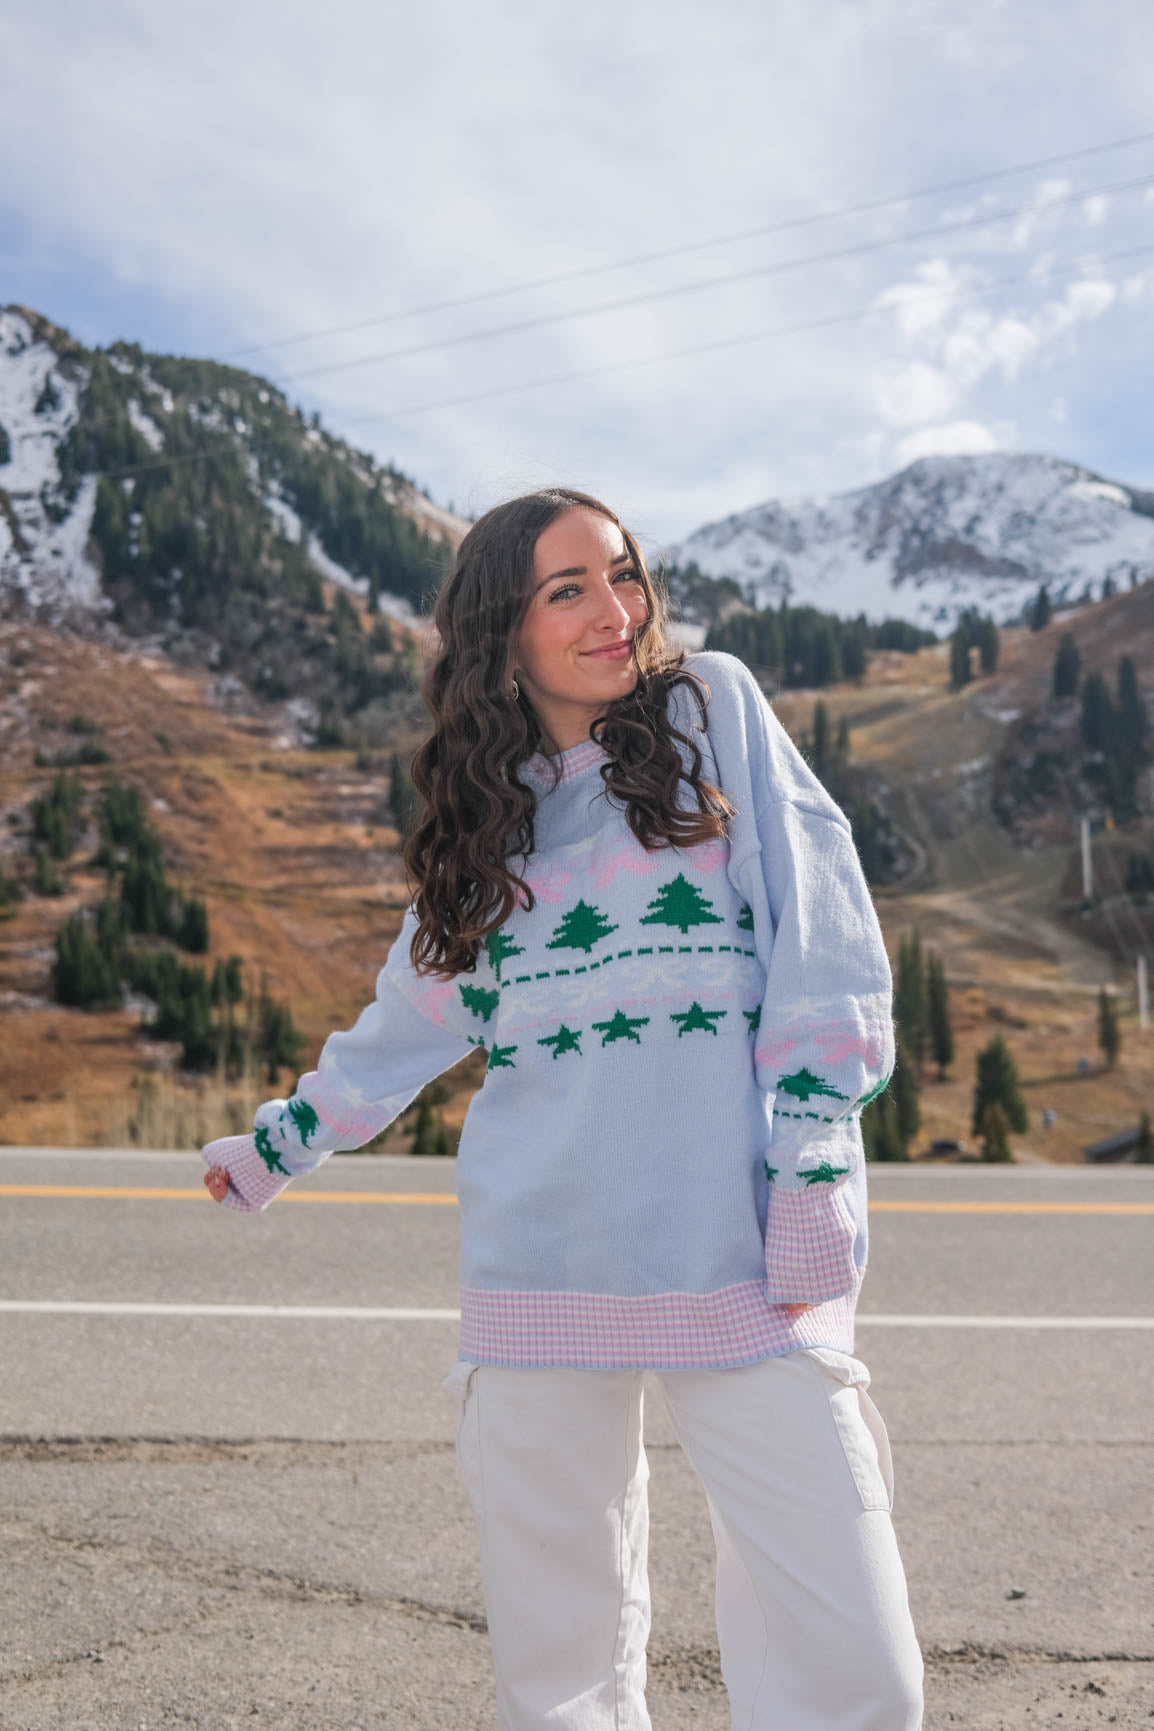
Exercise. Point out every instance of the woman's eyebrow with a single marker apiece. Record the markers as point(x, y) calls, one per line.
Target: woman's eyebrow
point(581, 570)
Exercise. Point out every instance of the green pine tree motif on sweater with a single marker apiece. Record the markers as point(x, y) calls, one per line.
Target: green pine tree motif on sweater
point(696, 1020)
point(268, 1153)
point(480, 1001)
point(305, 1119)
point(620, 1028)
point(753, 1017)
point(564, 1040)
point(803, 1084)
point(581, 928)
point(681, 904)
point(823, 1174)
point(771, 1172)
point(499, 948)
point(501, 1058)
point(745, 918)
point(878, 1088)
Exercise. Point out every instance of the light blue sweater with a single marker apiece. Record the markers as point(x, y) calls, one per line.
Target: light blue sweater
point(667, 1146)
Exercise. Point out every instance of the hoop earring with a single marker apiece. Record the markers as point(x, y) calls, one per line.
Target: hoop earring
point(516, 691)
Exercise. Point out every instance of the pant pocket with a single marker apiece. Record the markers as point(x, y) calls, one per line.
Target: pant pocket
point(462, 1382)
point(860, 1427)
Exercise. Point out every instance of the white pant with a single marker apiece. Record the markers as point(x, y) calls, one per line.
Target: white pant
point(813, 1617)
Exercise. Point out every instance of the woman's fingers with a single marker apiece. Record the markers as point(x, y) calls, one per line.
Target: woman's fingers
point(794, 1308)
point(216, 1180)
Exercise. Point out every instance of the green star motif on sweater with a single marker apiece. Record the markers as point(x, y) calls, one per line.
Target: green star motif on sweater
point(305, 1119)
point(696, 1020)
point(803, 1085)
point(581, 928)
point(620, 1028)
point(268, 1153)
point(480, 1001)
point(680, 903)
point(823, 1174)
point(771, 1172)
point(501, 1058)
point(753, 1017)
point(564, 1040)
point(745, 919)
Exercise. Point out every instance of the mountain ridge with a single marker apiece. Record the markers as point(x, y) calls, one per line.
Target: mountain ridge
point(943, 534)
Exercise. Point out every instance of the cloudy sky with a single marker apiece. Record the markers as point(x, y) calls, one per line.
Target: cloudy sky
point(207, 178)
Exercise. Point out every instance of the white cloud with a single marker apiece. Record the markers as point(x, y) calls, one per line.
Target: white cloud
point(208, 176)
point(959, 438)
point(914, 393)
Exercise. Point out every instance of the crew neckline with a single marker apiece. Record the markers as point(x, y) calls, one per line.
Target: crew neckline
point(573, 761)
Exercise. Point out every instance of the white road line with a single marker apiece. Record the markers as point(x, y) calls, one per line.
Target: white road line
point(382, 1313)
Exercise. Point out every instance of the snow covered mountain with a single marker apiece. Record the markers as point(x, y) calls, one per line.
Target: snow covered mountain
point(945, 534)
point(156, 487)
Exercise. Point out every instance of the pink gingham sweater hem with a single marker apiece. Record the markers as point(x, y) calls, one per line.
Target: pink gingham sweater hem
point(669, 1331)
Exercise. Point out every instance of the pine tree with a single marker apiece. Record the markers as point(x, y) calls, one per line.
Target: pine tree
point(193, 932)
point(402, 796)
point(986, 638)
point(881, 1137)
point(995, 1131)
point(1133, 722)
point(941, 1032)
point(1041, 612)
point(1144, 1150)
point(681, 904)
point(842, 744)
point(961, 671)
point(1109, 1034)
point(423, 1140)
point(821, 746)
point(997, 1082)
point(499, 946)
point(1067, 666)
point(910, 998)
point(1099, 722)
point(904, 1086)
point(581, 928)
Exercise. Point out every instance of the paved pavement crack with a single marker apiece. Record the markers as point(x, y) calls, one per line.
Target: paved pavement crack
point(198, 1451)
point(222, 1574)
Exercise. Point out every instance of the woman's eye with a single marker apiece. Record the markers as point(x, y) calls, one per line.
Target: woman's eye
point(564, 592)
point(631, 574)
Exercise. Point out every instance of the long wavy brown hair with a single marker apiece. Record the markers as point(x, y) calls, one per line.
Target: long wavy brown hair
point(475, 810)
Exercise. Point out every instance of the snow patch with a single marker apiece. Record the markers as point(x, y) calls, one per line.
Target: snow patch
point(145, 426)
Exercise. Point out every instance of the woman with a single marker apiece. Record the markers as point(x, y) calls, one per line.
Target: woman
point(633, 891)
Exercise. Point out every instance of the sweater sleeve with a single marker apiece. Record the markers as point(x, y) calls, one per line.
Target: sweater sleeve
point(365, 1077)
point(824, 1039)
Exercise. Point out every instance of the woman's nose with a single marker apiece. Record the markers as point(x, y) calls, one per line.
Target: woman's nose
point(614, 611)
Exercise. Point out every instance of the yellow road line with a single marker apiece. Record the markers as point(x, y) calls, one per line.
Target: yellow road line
point(440, 1198)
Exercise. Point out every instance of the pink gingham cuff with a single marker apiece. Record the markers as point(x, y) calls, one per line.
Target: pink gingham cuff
point(809, 1242)
point(252, 1184)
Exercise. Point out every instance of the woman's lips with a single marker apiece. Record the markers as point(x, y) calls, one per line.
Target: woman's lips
point(613, 651)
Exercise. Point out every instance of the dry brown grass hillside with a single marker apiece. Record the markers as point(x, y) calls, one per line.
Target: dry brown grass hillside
point(293, 852)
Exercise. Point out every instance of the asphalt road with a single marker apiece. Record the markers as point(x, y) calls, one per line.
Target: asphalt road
point(222, 1517)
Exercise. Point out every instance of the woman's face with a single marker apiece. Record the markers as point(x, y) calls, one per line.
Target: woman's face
point(574, 652)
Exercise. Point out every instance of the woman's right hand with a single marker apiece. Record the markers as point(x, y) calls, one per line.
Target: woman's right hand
point(216, 1181)
point(239, 1176)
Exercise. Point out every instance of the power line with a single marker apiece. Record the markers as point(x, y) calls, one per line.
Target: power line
point(691, 350)
point(782, 226)
point(777, 268)
point(738, 342)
